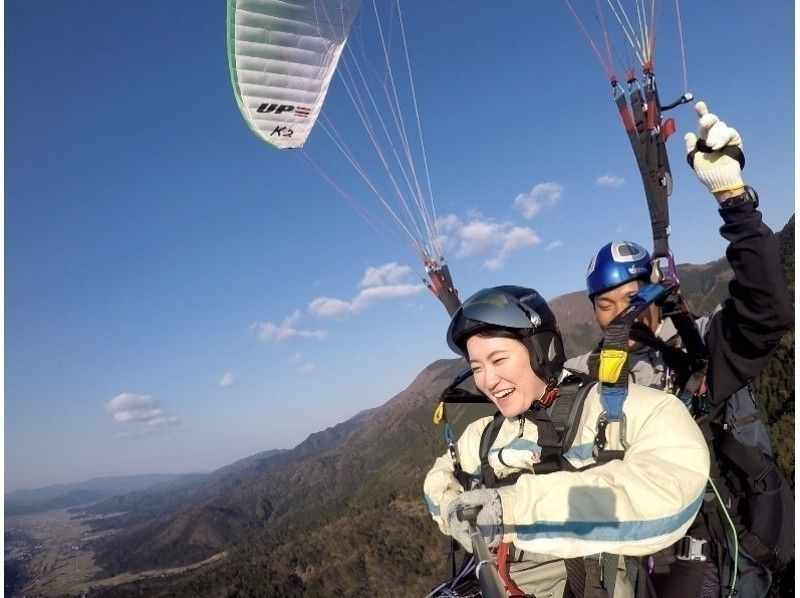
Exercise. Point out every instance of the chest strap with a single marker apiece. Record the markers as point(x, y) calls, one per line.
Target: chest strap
point(556, 430)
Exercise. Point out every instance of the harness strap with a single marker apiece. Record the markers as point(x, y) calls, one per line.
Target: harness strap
point(597, 575)
point(613, 367)
point(659, 562)
point(749, 459)
point(674, 307)
point(555, 426)
point(647, 136)
point(690, 371)
point(512, 590)
point(552, 456)
point(488, 437)
point(692, 393)
point(576, 578)
point(676, 358)
point(762, 477)
point(696, 361)
point(714, 513)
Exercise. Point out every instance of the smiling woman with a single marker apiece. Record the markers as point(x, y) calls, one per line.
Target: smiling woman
point(515, 354)
point(502, 371)
point(576, 481)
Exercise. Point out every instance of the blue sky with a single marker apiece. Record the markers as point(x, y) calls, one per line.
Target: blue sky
point(162, 263)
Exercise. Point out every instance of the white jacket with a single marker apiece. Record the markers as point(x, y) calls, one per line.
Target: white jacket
point(634, 506)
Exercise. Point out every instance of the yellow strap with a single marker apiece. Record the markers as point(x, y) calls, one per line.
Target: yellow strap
point(611, 362)
point(438, 413)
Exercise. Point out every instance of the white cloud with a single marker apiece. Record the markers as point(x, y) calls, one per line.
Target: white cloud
point(513, 239)
point(553, 245)
point(227, 380)
point(142, 414)
point(278, 333)
point(138, 415)
point(495, 263)
point(391, 273)
point(449, 223)
point(128, 402)
point(381, 283)
point(301, 365)
point(609, 180)
point(162, 420)
point(481, 236)
point(445, 226)
point(542, 195)
point(477, 237)
point(328, 307)
point(375, 294)
point(518, 238)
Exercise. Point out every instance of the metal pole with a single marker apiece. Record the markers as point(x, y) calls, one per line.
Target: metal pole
point(492, 585)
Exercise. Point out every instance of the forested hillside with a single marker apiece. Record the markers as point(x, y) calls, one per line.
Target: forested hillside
point(775, 387)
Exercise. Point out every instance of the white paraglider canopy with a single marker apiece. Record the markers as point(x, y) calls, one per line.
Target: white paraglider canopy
point(283, 55)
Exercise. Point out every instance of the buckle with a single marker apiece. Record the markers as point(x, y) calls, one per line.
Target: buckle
point(690, 549)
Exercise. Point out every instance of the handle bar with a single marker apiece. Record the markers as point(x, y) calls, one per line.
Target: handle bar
point(492, 585)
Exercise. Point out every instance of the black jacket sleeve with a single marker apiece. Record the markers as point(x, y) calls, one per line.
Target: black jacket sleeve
point(743, 335)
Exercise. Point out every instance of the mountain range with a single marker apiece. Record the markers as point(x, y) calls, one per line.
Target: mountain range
point(59, 496)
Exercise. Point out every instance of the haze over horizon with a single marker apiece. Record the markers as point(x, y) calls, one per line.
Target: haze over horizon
point(166, 271)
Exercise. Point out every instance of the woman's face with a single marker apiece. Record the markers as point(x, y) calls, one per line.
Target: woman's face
point(502, 371)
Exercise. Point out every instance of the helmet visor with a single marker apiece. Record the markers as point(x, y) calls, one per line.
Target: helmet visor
point(498, 308)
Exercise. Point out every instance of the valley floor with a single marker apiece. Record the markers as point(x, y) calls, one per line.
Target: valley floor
point(52, 550)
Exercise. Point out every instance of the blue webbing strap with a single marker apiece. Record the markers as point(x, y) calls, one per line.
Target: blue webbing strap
point(613, 367)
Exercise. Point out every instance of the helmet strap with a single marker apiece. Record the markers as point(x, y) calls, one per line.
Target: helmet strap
point(538, 361)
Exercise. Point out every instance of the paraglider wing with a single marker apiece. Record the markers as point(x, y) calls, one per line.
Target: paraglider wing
point(282, 55)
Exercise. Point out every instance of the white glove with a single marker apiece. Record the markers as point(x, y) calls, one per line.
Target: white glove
point(716, 156)
point(490, 517)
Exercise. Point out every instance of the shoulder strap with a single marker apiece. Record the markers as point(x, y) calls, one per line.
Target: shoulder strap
point(550, 438)
point(571, 393)
point(489, 435)
point(689, 368)
point(556, 427)
point(695, 363)
point(613, 368)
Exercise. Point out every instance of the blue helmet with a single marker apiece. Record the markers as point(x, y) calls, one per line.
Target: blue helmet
point(518, 310)
point(617, 263)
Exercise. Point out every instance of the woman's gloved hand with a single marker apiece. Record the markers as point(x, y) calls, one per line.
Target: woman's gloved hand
point(490, 517)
